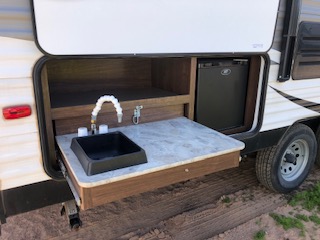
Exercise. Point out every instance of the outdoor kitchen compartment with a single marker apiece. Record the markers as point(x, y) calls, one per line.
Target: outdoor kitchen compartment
point(68, 89)
point(221, 93)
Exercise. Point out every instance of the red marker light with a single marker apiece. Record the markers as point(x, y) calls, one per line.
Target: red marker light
point(15, 112)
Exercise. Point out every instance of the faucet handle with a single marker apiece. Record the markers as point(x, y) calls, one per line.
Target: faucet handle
point(119, 115)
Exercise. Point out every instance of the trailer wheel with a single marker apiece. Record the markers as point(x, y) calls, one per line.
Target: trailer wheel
point(282, 168)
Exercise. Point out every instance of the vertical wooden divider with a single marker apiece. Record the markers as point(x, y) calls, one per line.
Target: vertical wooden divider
point(189, 109)
point(177, 75)
point(47, 113)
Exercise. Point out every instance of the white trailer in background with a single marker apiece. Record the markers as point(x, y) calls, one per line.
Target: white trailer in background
point(57, 58)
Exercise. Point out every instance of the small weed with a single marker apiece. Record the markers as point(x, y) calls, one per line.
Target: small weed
point(302, 217)
point(302, 233)
point(315, 219)
point(258, 222)
point(226, 200)
point(297, 209)
point(260, 235)
point(291, 213)
point(309, 199)
point(287, 222)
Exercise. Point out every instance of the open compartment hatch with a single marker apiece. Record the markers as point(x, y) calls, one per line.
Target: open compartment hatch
point(128, 27)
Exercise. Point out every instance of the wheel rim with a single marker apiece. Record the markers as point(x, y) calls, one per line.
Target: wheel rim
point(294, 160)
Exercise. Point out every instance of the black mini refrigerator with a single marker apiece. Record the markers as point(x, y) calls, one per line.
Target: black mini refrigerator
point(221, 93)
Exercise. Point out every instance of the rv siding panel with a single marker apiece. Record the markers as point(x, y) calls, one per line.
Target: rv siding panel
point(278, 108)
point(279, 27)
point(15, 19)
point(17, 92)
point(20, 161)
point(310, 11)
point(20, 152)
point(17, 58)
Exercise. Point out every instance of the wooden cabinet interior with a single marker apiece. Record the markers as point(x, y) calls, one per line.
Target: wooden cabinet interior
point(164, 86)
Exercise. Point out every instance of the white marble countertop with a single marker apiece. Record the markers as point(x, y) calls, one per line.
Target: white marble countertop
point(167, 144)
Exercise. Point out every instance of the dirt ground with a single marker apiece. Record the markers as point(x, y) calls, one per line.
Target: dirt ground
point(267, 224)
point(228, 205)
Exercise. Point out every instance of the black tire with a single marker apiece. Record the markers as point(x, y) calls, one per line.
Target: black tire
point(282, 168)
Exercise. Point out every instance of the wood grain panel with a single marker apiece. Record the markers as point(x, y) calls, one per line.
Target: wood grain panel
point(96, 196)
point(189, 111)
point(172, 74)
point(71, 124)
point(47, 115)
point(122, 94)
point(85, 110)
point(84, 75)
point(253, 81)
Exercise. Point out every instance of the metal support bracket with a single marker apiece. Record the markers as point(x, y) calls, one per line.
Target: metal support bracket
point(73, 190)
point(71, 210)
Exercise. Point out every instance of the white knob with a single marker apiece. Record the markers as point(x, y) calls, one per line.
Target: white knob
point(103, 129)
point(82, 131)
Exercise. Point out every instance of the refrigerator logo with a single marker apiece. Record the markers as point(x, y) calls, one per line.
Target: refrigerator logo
point(225, 71)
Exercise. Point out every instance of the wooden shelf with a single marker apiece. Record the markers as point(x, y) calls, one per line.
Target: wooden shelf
point(69, 99)
point(80, 104)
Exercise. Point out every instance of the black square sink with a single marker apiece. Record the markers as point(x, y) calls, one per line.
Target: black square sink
point(104, 152)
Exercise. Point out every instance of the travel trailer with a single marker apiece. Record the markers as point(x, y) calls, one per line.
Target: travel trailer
point(185, 89)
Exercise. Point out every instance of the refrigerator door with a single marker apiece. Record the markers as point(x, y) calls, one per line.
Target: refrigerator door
point(221, 93)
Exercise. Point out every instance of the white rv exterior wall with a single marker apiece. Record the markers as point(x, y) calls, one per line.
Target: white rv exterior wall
point(279, 111)
point(20, 153)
